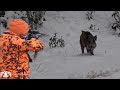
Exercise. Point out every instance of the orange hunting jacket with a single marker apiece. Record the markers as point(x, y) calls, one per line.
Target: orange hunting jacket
point(13, 54)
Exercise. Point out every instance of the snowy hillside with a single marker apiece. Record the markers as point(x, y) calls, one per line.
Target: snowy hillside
point(68, 62)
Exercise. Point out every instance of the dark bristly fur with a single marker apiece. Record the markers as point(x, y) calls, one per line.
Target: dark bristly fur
point(88, 41)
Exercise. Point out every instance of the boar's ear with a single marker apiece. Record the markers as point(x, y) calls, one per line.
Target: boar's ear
point(82, 31)
point(95, 37)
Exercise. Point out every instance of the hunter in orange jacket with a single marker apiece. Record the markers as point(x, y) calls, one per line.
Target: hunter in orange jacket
point(13, 50)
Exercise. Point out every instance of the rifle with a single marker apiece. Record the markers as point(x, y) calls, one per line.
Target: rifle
point(30, 35)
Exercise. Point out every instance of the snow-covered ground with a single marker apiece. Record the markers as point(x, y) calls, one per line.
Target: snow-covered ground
point(68, 62)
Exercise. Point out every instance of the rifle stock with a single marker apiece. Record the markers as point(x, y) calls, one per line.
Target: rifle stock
point(30, 59)
point(36, 53)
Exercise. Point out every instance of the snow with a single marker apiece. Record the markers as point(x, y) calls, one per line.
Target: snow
point(68, 62)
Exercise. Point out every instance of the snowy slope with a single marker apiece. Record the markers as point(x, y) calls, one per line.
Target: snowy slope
point(68, 62)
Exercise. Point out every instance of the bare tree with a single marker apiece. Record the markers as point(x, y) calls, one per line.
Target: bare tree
point(90, 15)
point(35, 18)
point(116, 16)
point(116, 24)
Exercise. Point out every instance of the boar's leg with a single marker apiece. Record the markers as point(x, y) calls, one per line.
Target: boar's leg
point(88, 51)
point(91, 53)
point(82, 50)
point(82, 47)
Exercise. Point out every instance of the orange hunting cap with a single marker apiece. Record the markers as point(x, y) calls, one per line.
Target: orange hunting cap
point(18, 26)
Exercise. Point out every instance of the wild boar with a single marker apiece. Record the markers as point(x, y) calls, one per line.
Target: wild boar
point(88, 41)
